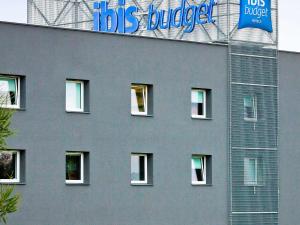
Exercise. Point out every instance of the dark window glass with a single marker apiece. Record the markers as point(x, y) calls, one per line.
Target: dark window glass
point(8, 165)
point(73, 167)
point(250, 110)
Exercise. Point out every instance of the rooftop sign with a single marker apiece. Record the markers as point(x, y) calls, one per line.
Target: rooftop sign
point(255, 14)
point(121, 19)
point(125, 20)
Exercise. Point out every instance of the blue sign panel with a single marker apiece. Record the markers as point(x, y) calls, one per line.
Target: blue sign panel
point(115, 20)
point(256, 14)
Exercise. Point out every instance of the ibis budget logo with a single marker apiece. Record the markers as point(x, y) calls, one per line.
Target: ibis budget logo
point(127, 20)
point(255, 14)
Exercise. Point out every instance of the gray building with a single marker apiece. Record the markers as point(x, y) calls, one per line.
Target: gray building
point(125, 130)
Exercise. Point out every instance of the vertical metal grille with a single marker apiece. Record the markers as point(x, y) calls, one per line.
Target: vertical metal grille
point(254, 73)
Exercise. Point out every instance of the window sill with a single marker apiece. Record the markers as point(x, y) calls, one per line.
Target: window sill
point(16, 109)
point(78, 112)
point(12, 183)
point(204, 185)
point(77, 184)
point(200, 118)
point(9, 107)
point(140, 115)
point(149, 185)
point(254, 185)
point(20, 109)
point(250, 120)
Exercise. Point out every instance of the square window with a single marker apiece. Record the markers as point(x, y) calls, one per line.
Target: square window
point(74, 167)
point(250, 108)
point(10, 92)
point(198, 101)
point(74, 96)
point(250, 171)
point(139, 169)
point(9, 166)
point(198, 169)
point(139, 99)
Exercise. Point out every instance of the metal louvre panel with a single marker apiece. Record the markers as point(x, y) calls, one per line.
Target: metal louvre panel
point(248, 69)
point(61, 13)
point(259, 219)
point(257, 70)
point(260, 134)
point(253, 49)
point(253, 72)
point(262, 197)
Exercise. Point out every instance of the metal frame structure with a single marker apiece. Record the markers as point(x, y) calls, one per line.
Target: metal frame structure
point(253, 69)
point(78, 14)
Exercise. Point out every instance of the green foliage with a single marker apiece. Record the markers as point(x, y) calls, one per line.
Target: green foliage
point(5, 131)
point(8, 202)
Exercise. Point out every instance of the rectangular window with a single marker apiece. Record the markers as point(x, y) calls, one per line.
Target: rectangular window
point(250, 171)
point(74, 167)
point(198, 169)
point(10, 92)
point(198, 100)
point(139, 169)
point(139, 99)
point(9, 166)
point(74, 96)
point(250, 108)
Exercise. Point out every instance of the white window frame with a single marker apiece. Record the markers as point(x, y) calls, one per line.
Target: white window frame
point(145, 101)
point(254, 119)
point(81, 181)
point(204, 104)
point(246, 182)
point(18, 91)
point(17, 178)
point(145, 168)
point(204, 172)
point(81, 96)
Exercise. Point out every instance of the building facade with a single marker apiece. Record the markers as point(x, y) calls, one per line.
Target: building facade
point(249, 29)
point(110, 131)
point(123, 129)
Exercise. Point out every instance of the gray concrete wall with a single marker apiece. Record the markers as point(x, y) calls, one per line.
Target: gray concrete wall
point(289, 134)
point(48, 56)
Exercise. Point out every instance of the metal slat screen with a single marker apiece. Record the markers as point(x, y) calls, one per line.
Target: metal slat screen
point(253, 141)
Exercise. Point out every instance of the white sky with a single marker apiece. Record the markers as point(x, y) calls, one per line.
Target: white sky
point(289, 20)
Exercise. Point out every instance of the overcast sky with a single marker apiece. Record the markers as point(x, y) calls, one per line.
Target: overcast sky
point(289, 20)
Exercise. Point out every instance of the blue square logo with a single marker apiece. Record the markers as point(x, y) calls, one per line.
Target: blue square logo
point(256, 14)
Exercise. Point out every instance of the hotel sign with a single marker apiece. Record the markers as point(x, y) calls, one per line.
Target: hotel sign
point(125, 20)
point(253, 14)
